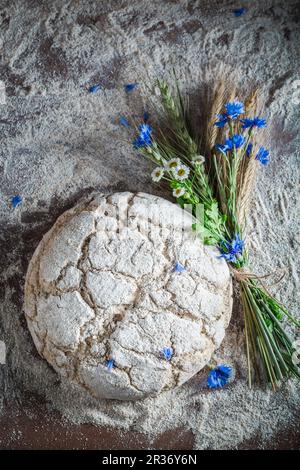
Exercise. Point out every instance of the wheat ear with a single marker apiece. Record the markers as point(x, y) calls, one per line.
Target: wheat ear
point(216, 108)
point(246, 191)
point(251, 102)
point(247, 171)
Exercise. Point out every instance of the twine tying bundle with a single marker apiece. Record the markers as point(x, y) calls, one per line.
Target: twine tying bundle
point(242, 275)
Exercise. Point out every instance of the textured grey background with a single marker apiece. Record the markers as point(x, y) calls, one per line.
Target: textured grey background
point(59, 142)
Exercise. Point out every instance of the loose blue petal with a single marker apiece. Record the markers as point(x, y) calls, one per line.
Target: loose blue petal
point(212, 380)
point(239, 11)
point(178, 268)
point(225, 370)
point(110, 364)
point(130, 87)
point(262, 156)
point(219, 376)
point(124, 122)
point(16, 200)
point(168, 353)
point(95, 88)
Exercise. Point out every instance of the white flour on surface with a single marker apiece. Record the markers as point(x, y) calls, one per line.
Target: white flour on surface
point(60, 142)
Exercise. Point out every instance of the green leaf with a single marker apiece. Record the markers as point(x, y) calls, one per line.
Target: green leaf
point(205, 233)
point(175, 184)
point(181, 201)
point(269, 324)
point(277, 311)
point(214, 213)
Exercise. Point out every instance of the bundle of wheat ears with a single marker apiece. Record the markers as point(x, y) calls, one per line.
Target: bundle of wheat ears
point(216, 170)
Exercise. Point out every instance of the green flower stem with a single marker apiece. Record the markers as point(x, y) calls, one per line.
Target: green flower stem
point(263, 341)
point(273, 343)
point(249, 339)
point(245, 146)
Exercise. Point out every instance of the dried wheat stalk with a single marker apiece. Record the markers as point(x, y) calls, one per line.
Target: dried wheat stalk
point(245, 193)
point(218, 101)
point(247, 171)
point(251, 102)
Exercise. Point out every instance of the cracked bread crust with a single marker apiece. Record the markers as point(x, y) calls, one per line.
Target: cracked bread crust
point(101, 285)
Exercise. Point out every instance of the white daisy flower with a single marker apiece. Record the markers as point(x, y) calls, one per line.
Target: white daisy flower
point(178, 192)
point(198, 159)
point(157, 174)
point(181, 173)
point(296, 358)
point(173, 164)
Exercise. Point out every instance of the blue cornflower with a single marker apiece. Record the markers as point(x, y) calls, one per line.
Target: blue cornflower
point(228, 144)
point(124, 122)
point(110, 364)
point(237, 244)
point(237, 141)
point(239, 11)
point(168, 353)
point(141, 142)
point(222, 120)
point(231, 249)
point(16, 200)
point(130, 87)
point(229, 256)
point(144, 138)
point(95, 88)
point(222, 148)
point(255, 122)
point(259, 122)
point(234, 109)
point(249, 149)
point(246, 123)
point(262, 156)
point(145, 129)
point(219, 376)
point(178, 268)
